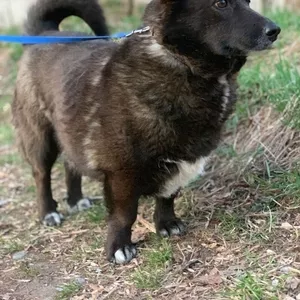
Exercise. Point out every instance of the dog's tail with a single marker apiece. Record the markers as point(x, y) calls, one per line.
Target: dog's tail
point(46, 15)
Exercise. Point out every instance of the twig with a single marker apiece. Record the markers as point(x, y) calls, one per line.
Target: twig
point(145, 223)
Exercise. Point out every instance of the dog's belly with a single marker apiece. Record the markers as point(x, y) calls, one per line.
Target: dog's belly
point(186, 173)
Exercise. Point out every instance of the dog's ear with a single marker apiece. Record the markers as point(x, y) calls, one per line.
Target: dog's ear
point(156, 9)
point(156, 14)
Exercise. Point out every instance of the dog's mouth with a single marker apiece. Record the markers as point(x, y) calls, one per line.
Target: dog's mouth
point(252, 42)
point(262, 43)
point(269, 35)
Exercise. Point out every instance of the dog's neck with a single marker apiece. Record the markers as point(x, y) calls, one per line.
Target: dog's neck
point(203, 61)
point(196, 56)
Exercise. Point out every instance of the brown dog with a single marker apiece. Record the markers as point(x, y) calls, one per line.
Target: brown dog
point(146, 112)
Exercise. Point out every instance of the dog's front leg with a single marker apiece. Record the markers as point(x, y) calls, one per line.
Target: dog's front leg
point(121, 194)
point(166, 222)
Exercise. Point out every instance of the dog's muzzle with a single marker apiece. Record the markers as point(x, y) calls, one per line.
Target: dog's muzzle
point(272, 31)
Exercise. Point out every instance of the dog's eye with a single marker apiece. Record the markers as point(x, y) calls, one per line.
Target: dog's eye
point(221, 3)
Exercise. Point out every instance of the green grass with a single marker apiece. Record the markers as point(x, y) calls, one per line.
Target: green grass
point(287, 20)
point(150, 274)
point(126, 24)
point(272, 78)
point(232, 224)
point(277, 85)
point(289, 24)
point(31, 189)
point(279, 186)
point(75, 24)
point(68, 290)
point(10, 246)
point(28, 270)
point(97, 242)
point(4, 104)
point(16, 49)
point(273, 190)
point(6, 134)
point(226, 151)
point(10, 159)
point(96, 214)
point(251, 287)
point(16, 52)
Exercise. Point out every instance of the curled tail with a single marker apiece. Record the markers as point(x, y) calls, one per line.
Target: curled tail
point(46, 15)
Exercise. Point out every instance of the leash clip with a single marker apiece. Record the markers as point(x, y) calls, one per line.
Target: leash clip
point(139, 31)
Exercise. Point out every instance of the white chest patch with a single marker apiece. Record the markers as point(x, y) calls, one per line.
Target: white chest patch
point(226, 94)
point(187, 172)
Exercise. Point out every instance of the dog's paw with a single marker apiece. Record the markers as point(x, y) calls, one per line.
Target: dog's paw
point(53, 219)
point(124, 255)
point(82, 204)
point(171, 227)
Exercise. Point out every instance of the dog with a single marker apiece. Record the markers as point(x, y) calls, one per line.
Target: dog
point(146, 111)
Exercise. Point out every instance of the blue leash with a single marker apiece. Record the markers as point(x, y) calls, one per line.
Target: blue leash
point(29, 40)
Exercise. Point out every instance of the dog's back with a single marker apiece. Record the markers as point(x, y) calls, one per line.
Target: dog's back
point(46, 68)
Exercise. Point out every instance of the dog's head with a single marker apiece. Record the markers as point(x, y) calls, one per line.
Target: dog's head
point(224, 27)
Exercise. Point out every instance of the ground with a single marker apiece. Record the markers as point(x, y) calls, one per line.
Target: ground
point(243, 216)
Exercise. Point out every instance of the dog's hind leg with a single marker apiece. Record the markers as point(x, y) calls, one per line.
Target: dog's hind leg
point(43, 154)
point(76, 202)
point(121, 197)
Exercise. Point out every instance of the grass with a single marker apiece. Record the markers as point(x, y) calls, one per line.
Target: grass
point(96, 214)
point(287, 20)
point(231, 223)
point(68, 290)
point(278, 85)
point(150, 274)
point(275, 82)
point(4, 105)
point(251, 287)
point(10, 246)
point(279, 187)
point(28, 270)
point(6, 134)
point(10, 159)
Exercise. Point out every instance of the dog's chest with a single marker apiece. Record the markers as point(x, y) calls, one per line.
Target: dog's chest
point(202, 138)
point(186, 173)
point(225, 97)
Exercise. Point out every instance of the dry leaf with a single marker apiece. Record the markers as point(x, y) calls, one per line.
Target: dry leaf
point(286, 226)
point(287, 297)
point(293, 283)
point(212, 278)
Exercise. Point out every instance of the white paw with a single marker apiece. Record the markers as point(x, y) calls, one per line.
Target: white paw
point(164, 233)
point(81, 205)
point(175, 231)
point(53, 219)
point(124, 255)
point(174, 227)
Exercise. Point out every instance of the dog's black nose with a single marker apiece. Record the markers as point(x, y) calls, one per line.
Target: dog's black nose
point(272, 31)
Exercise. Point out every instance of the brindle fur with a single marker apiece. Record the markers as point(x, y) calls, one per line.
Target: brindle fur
point(131, 110)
